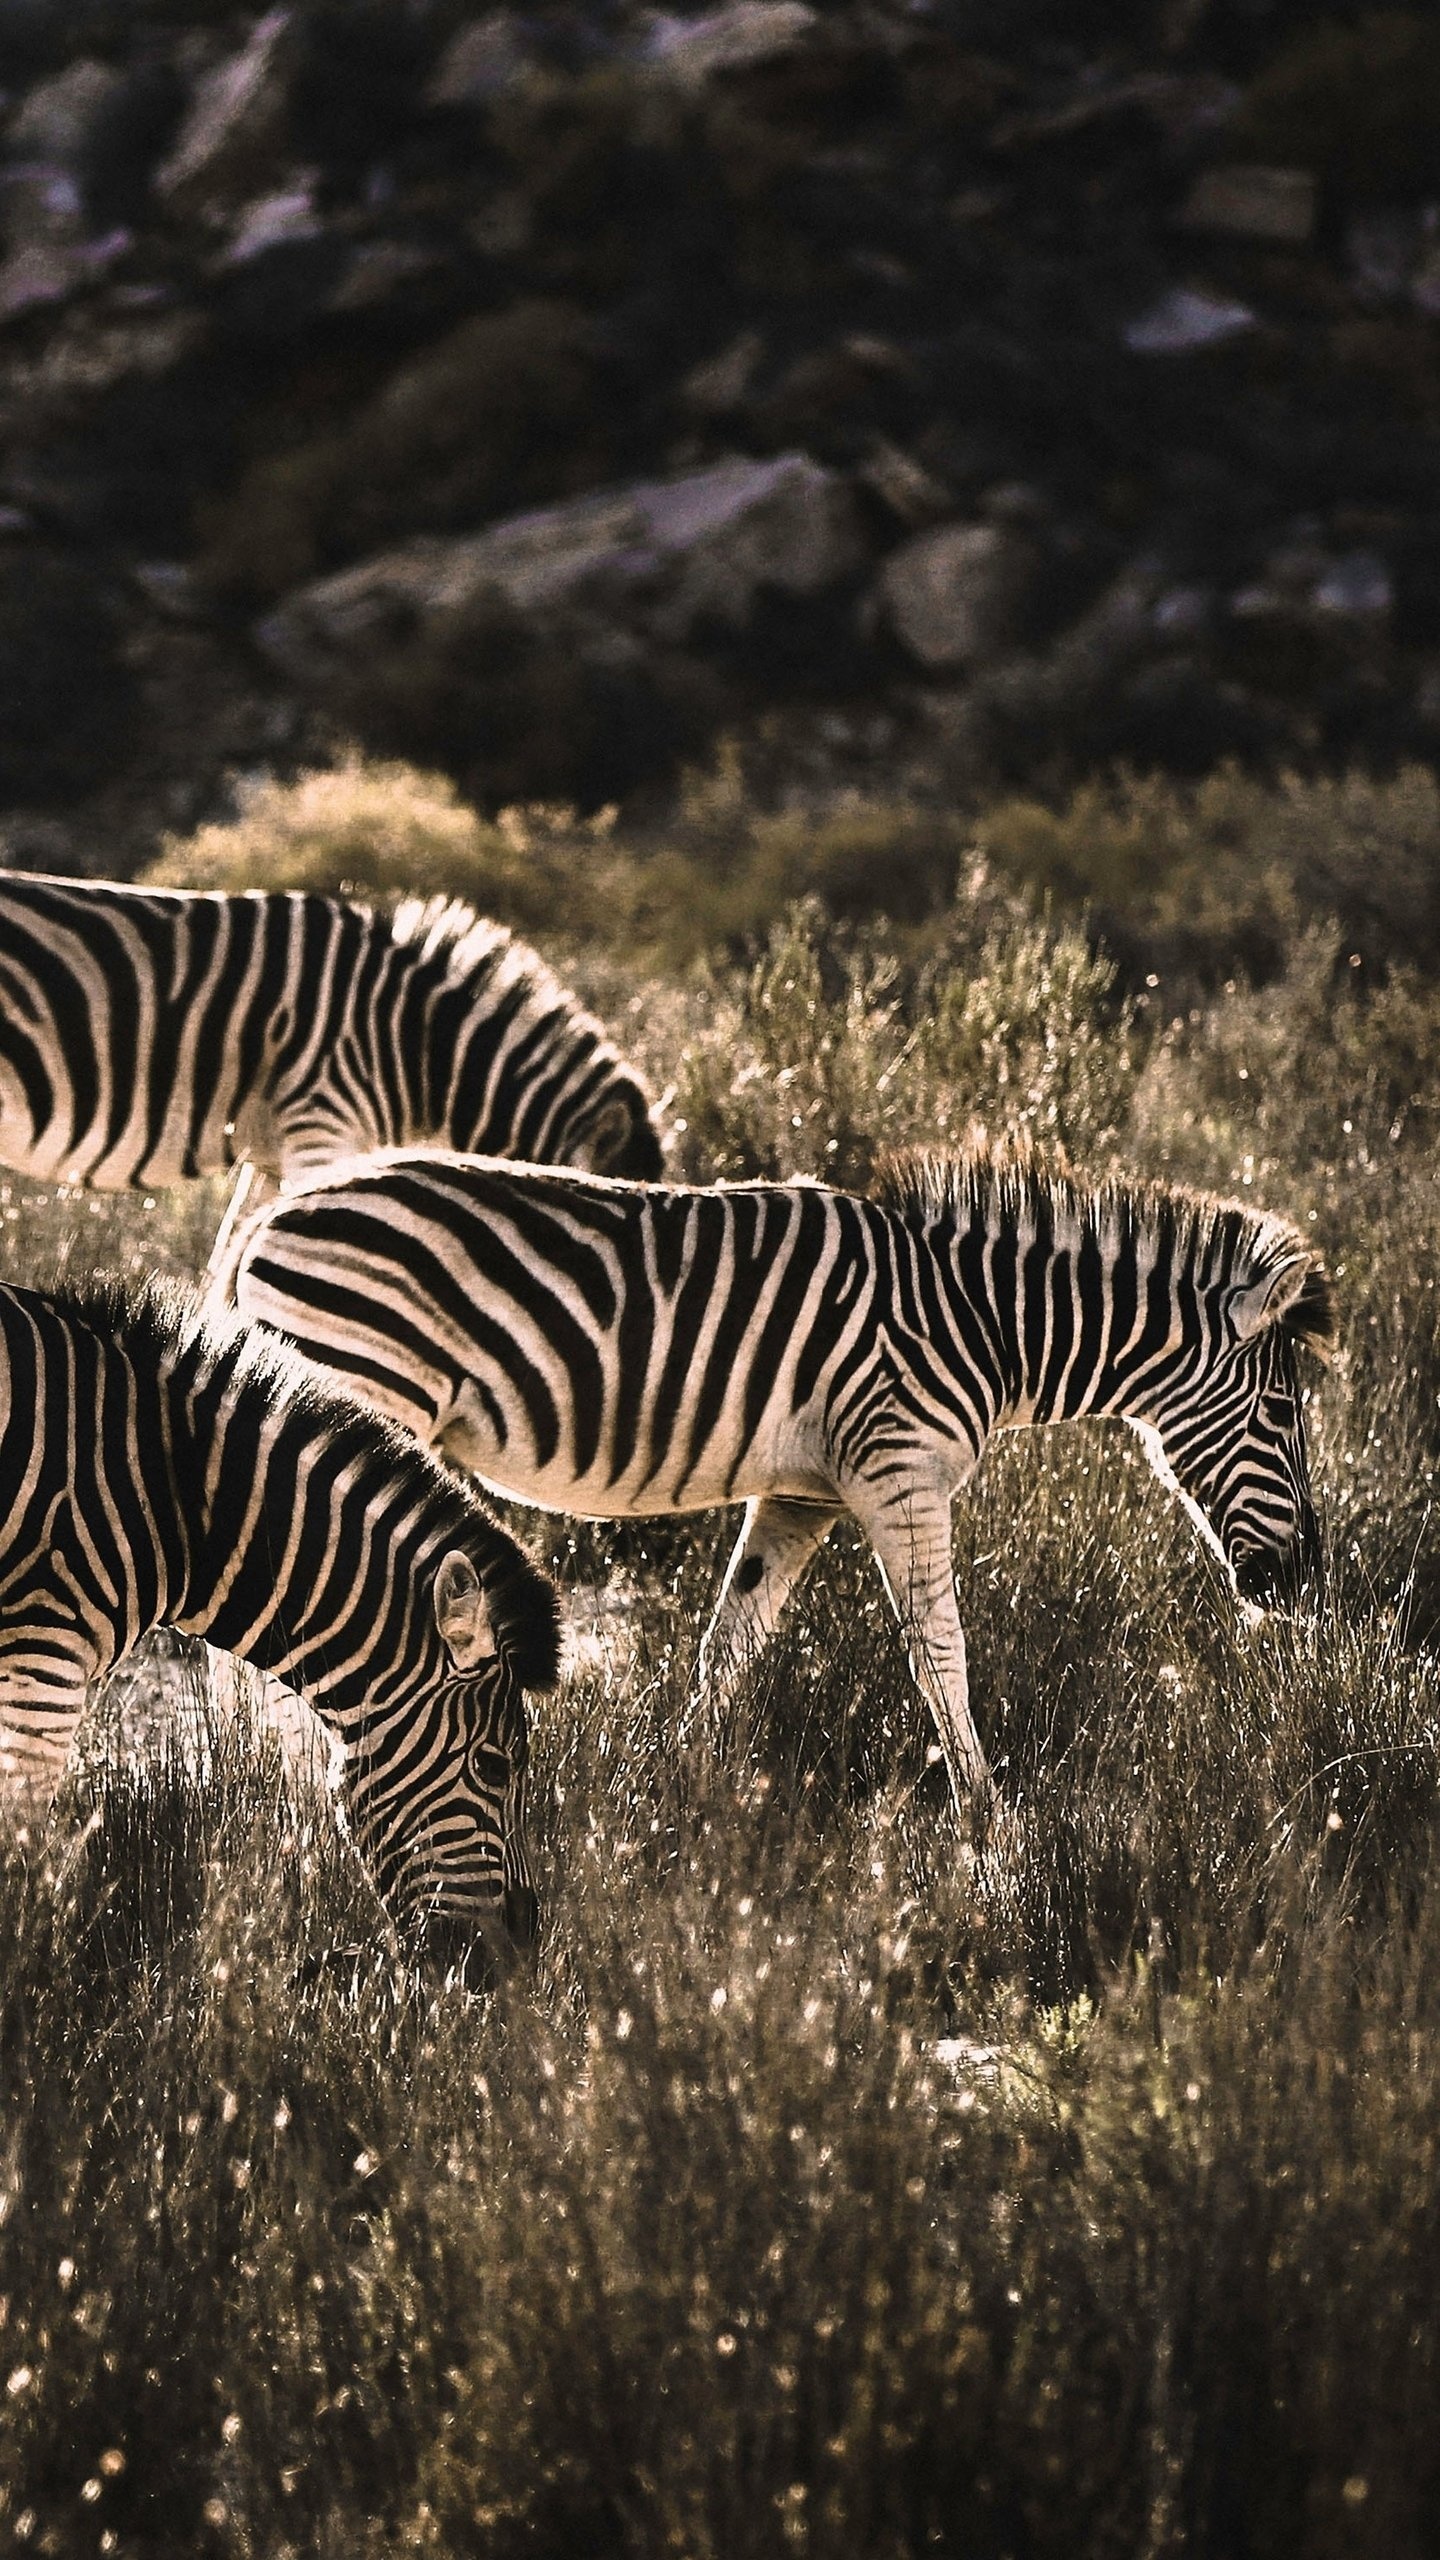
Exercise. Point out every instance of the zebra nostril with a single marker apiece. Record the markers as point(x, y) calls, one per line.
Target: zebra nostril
point(1260, 1577)
point(522, 1915)
point(477, 1951)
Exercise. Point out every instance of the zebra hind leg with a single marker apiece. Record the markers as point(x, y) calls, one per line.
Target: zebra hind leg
point(774, 1547)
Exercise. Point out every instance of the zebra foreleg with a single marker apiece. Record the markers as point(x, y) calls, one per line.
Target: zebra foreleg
point(912, 1544)
point(774, 1547)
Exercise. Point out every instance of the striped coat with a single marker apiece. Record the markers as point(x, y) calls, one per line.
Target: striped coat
point(159, 1471)
point(148, 1035)
point(618, 1351)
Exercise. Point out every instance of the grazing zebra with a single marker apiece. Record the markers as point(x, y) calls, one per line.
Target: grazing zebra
point(611, 1349)
point(161, 1471)
point(147, 1035)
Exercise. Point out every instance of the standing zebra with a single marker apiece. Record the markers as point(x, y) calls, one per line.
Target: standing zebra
point(147, 1035)
point(162, 1472)
point(615, 1350)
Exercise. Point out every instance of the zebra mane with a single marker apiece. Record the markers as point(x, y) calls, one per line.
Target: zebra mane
point(1024, 1183)
point(441, 927)
point(470, 946)
point(157, 1325)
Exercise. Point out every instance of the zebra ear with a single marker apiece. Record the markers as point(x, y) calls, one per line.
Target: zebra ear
point(461, 1614)
point(610, 1135)
point(1270, 1298)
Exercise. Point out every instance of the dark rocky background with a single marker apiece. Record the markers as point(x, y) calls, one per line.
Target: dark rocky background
point(983, 391)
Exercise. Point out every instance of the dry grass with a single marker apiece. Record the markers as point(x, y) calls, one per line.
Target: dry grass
point(821, 2187)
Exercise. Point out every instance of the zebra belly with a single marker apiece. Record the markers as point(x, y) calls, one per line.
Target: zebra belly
point(773, 1463)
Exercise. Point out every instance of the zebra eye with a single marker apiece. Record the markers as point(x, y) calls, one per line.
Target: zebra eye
point(490, 1769)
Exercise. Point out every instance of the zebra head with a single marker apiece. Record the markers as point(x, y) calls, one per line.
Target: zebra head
point(1228, 1431)
point(442, 1818)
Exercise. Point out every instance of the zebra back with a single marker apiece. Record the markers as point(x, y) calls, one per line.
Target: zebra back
point(149, 1035)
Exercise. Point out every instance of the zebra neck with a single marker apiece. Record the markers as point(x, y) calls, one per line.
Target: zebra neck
point(1074, 1306)
point(290, 1551)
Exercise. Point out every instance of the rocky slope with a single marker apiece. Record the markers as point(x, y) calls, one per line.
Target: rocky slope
point(540, 392)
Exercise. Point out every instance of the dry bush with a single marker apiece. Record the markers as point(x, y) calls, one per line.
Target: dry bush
point(384, 830)
point(830, 1049)
point(1201, 880)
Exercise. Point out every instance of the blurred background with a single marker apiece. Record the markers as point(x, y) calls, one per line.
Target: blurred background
point(616, 406)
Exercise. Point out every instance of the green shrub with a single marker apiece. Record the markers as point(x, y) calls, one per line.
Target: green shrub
point(831, 2181)
point(730, 867)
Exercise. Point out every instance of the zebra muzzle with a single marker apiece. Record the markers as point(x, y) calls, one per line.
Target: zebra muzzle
point(1283, 1578)
point(475, 1950)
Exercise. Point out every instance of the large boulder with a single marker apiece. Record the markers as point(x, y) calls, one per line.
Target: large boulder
point(690, 51)
point(663, 558)
point(585, 648)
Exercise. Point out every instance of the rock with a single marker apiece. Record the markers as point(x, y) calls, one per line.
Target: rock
point(1185, 318)
point(1113, 631)
point(171, 588)
point(377, 269)
point(1425, 286)
point(1383, 245)
point(487, 60)
point(49, 271)
point(288, 214)
point(40, 200)
point(690, 51)
point(1356, 587)
point(61, 118)
point(1181, 106)
point(722, 383)
point(1253, 201)
point(43, 271)
point(236, 123)
point(662, 556)
point(953, 596)
point(904, 485)
point(1184, 613)
point(1304, 584)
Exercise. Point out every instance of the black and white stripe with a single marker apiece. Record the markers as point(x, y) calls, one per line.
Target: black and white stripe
point(614, 1349)
point(147, 1035)
point(158, 1471)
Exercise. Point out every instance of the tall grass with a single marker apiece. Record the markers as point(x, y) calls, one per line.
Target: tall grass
point(833, 2180)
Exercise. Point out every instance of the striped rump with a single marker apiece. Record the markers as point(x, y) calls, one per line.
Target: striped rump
point(148, 1035)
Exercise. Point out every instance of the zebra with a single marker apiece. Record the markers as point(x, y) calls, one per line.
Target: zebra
point(151, 1035)
point(165, 1470)
point(616, 1349)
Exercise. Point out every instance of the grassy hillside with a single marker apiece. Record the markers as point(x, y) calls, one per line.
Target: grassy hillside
point(825, 2185)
